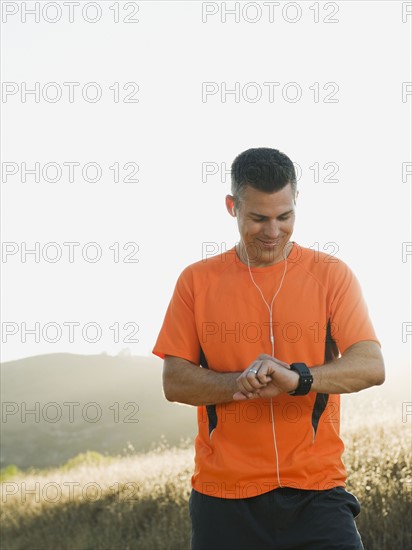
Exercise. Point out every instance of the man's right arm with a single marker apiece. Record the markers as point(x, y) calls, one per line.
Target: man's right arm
point(185, 382)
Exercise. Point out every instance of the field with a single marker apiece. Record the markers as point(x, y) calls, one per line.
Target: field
point(139, 501)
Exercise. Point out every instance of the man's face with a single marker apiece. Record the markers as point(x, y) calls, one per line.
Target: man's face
point(265, 222)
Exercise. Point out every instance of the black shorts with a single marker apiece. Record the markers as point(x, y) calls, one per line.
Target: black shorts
point(282, 519)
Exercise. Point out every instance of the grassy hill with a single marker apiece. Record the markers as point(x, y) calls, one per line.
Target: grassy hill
point(104, 402)
point(139, 502)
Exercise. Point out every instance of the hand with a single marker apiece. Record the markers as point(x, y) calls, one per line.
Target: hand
point(266, 377)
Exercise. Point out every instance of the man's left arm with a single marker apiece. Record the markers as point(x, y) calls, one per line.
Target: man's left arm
point(360, 367)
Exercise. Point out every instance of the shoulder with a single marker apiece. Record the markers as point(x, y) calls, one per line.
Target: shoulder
point(210, 266)
point(200, 275)
point(325, 268)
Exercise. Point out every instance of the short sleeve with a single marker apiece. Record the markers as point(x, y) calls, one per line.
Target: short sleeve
point(178, 335)
point(349, 317)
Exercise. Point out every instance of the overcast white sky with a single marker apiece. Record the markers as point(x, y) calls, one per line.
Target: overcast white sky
point(339, 102)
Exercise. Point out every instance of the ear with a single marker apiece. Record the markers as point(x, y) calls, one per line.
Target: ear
point(230, 205)
point(296, 197)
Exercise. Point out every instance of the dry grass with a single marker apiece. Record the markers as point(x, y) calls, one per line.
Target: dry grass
point(123, 503)
point(378, 459)
point(139, 502)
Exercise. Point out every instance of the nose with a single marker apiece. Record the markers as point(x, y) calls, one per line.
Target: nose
point(272, 230)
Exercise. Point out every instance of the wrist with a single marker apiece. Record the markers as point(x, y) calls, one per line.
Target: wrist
point(316, 373)
point(296, 382)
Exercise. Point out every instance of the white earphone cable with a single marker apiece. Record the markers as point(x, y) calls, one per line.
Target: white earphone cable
point(272, 342)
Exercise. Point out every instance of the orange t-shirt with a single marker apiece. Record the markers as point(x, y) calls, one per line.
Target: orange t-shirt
point(216, 314)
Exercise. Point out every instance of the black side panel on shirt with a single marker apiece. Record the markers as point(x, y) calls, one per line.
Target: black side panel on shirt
point(331, 353)
point(211, 409)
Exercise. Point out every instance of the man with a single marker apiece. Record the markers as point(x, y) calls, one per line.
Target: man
point(280, 331)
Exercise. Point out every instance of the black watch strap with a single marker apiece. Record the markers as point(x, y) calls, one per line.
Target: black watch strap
point(305, 379)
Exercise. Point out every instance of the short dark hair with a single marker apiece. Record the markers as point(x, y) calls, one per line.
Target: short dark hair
point(262, 168)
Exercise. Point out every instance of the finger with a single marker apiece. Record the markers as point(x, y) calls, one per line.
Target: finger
point(270, 391)
point(257, 380)
point(249, 383)
point(252, 395)
point(252, 377)
point(263, 374)
point(239, 396)
point(263, 378)
point(249, 380)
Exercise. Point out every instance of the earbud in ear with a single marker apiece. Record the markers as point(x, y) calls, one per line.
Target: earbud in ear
point(233, 211)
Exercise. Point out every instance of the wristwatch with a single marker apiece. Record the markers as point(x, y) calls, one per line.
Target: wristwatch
point(305, 379)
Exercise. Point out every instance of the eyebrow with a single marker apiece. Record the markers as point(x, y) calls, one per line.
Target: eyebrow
point(262, 216)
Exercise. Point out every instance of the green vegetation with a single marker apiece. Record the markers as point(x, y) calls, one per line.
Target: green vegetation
point(139, 502)
point(9, 472)
point(88, 458)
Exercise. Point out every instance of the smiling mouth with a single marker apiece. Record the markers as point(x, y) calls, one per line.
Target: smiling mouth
point(269, 243)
